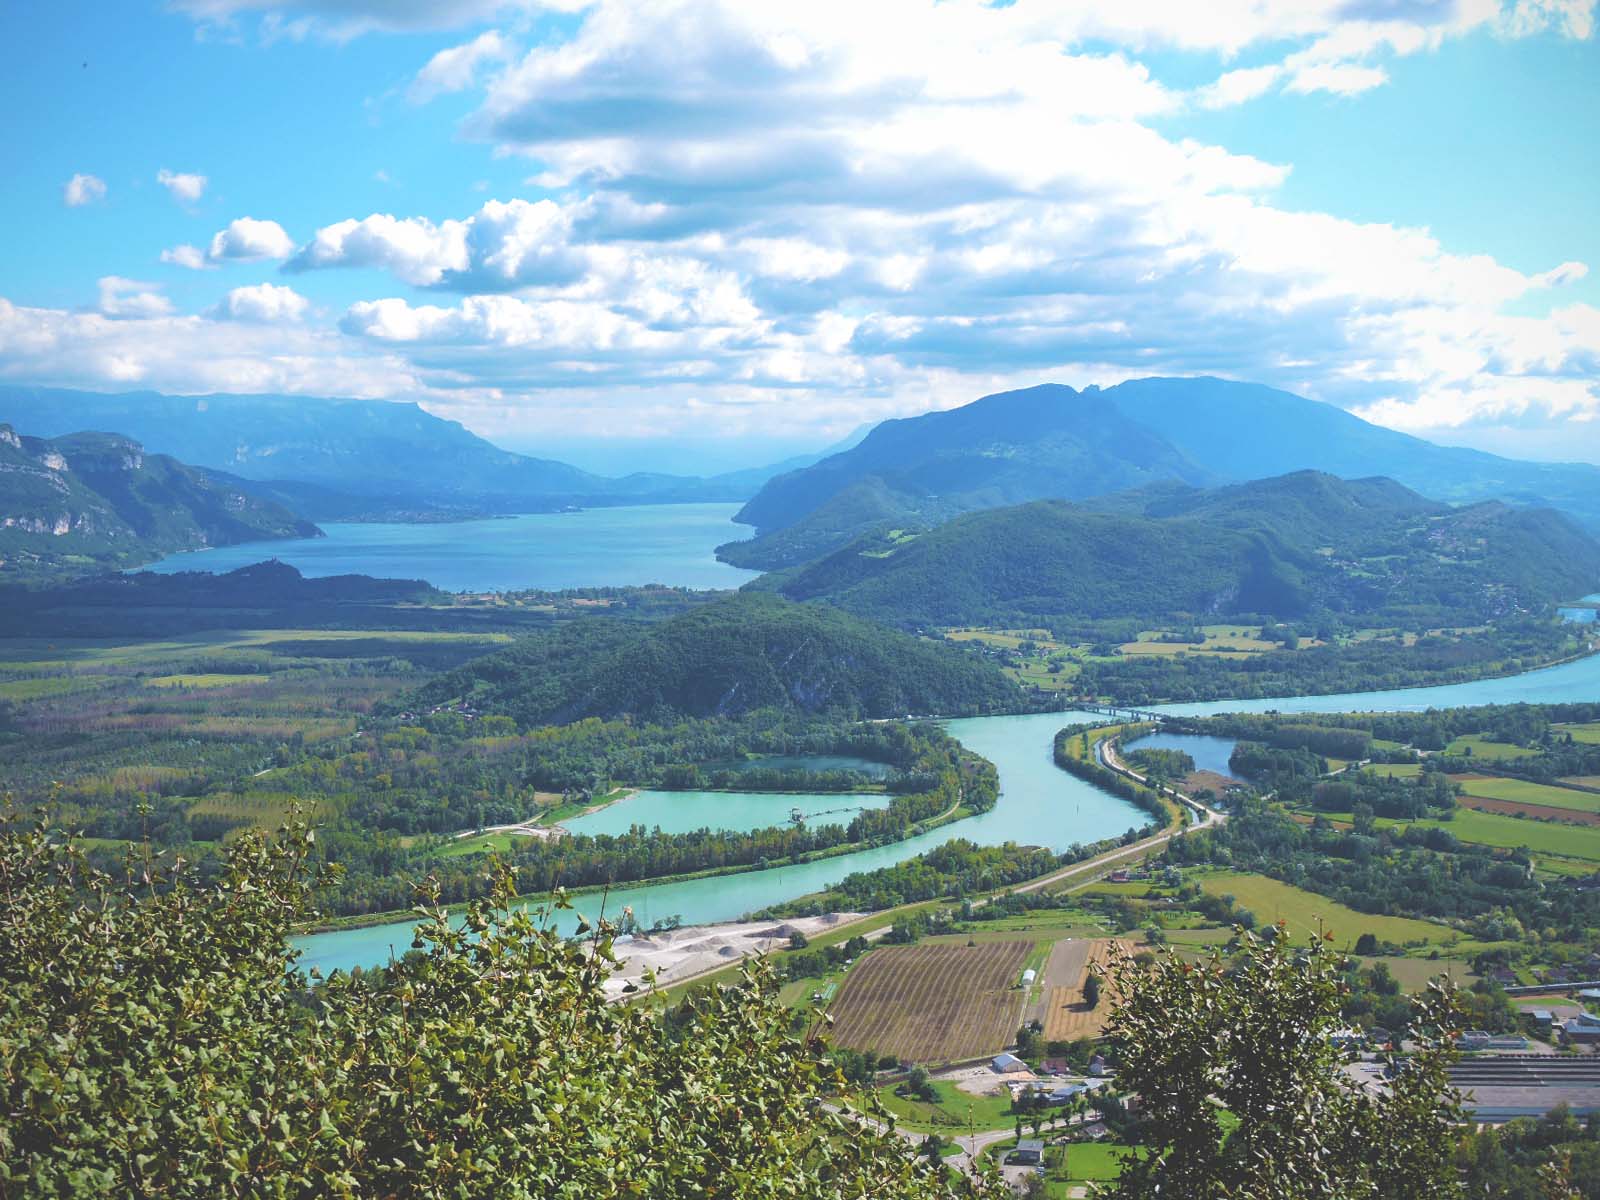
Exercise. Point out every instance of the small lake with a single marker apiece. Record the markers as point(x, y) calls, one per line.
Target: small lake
point(1209, 753)
point(733, 812)
point(630, 545)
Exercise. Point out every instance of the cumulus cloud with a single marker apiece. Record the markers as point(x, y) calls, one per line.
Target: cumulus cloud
point(190, 257)
point(83, 189)
point(503, 245)
point(247, 239)
point(184, 188)
point(263, 302)
point(121, 297)
point(456, 69)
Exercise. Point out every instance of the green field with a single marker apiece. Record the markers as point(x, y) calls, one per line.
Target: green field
point(201, 681)
point(1476, 747)
point(952, 1114)
point(53, 685)
point(1523, 792)
point(1094, 1161)
point(1589, 733)
point(1542, 837)
point(1395, 770)
point(1272, 901)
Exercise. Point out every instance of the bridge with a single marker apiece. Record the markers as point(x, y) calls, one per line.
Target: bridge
point(1115, 711)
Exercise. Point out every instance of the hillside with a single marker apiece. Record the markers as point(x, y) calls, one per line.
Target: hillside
point(1366, 550)
point(736, 655)
point(93, 501)
point(1053, 442)
point(338, 459)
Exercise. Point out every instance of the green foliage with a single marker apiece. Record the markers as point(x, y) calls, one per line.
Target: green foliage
point(736, 655)
point(1255, 1041)
point(155, 1040)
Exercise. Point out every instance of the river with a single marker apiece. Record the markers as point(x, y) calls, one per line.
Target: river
point(1039, 804)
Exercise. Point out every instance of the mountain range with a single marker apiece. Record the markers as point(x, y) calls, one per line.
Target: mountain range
point(1054, 442)
point(1366, 551)
point(354, 459)
point(96, 500)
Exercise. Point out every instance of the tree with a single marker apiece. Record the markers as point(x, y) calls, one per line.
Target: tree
point(157, 1041)
point(1255, 1040)
point(1091, 990)
point(1367, 944)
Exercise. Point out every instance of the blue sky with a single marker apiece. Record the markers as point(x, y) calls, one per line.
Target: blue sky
point(751, 227)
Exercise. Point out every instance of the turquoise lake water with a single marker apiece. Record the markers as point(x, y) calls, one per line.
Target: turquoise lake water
point(1209, 753)
point(670, 544)
point(1039, 805)
point(806, 762)
point(684, 812)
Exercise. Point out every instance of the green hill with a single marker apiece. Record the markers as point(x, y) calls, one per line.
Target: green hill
point(1368, 550)
point(91, 501)
point(745, 652)
point(1052, 442)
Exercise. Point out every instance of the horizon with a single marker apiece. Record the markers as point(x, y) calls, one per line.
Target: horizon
point(522, 216)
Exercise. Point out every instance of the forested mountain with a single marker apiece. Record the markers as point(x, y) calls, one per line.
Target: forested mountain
point(1283, 547)
point(1053, 442)
point(334, 459)
point(95, 500)
point(745, 652)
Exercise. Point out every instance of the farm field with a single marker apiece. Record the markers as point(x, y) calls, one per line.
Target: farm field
point(1521, 791)
point(1587, 781)
point(1510, 833)
point(1395, 770)
point(1066, 1016)
point(932, 1002)
point(1476, 747)
point(1536, 812)
point(953, 1113)
point(1272, 901)
point(1588, 733)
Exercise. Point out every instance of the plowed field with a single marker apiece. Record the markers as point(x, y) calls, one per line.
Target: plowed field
point(1066, 1017)
point(932, 1003)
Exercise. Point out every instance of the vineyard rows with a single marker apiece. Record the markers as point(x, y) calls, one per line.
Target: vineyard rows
point(933, 1002)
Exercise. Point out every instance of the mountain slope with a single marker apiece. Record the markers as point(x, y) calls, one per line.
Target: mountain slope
point(735, 655)
point(96, 500)
point(1054, 442)
point(1365, 550)
point(338, 457)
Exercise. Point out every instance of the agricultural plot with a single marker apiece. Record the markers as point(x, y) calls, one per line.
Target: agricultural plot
point(1520, 791)
point(1511, 833)
point(1066, 1016)
point(1588, 733)
point(932, 1002)
point(1272, 901)
point(1476, 747)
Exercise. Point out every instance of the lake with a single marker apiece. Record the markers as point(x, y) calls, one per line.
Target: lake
point(671, 544)
point(684, 812)
point(1039, 805)
point(1209, 753)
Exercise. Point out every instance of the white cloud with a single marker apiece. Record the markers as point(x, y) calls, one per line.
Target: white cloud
point(247, 239)
point(83, 189)
point(1239, 86)
point(263, 302)
point(344, 19)
point(184, 188)
point(456, 68)
point(1342, 79)
point(190, 257)
point(502, 245)
point(121, 297)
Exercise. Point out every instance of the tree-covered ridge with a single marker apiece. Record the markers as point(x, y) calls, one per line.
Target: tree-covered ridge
point(1053, 442)
point(1299, 546)
point(91, 501)
point(156, 1040)
point(736, 655)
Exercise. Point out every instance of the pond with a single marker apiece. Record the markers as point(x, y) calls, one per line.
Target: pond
point(1209, 753)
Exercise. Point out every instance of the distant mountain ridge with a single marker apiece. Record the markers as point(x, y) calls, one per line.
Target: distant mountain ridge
point(344, 459)
point(92, 501)
point(1054, 442)
point(1364, 551)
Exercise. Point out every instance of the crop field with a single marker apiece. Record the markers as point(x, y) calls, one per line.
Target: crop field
point(932, 1003)
point(1066, 1016)
point(1510, 833)
point(1536, 812)
point(1272, 901)
point(1587, 781)
point(1520, 791)
point(1477, 747)
point(1589, 733)
point(1395, 770)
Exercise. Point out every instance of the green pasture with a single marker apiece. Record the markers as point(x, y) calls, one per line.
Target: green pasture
point(1272, 901)
point(1510, 833)
point(952, 1114)
point(1588, 733)
point(1395, 770)
point(1477, 747)
point(49, 686)
point(1521, 791)
point(210, 680)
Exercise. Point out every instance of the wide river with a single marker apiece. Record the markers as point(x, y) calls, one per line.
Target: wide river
point(672, 544)
point(1039, 805)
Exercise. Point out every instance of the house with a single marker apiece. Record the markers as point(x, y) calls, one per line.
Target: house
point(1008, 1062)
point(1097, 1066)
point(1543, 1018)
point(1029, 1152)
point(1504, 976)
point(1583, 1028)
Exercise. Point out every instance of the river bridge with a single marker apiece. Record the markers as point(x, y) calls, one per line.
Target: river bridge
point(1115, 711)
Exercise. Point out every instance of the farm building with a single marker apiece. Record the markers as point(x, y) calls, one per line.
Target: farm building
point(1008, 1062)
point(1585, 1027)
point(1029, 1151)
point(1029, 976)
point(1496, 1090)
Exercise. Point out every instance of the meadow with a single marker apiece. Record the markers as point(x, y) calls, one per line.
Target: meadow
point(1522, 791)
point(1308, 913)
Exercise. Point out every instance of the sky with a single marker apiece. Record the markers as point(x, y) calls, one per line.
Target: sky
point(750, 227)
